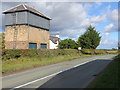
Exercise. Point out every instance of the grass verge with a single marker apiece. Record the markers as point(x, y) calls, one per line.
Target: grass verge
point(110, 77)
point(13, 65)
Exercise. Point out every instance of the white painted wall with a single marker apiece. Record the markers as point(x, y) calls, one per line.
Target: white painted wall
point(52, 45)
point(57, 35)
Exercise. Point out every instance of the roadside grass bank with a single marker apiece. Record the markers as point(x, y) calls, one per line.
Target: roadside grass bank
point(22, 63)
point(23, 59)
point(109, 77)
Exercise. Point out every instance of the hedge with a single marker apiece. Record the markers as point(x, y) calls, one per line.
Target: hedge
point(9, 53)
point(98, 51)
point(93, 51)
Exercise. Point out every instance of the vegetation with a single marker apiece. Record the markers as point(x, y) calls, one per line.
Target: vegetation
point(90, 39)
point(22, 63)
point(19, 59)
point(15, 60)
point(110, 77)
point(2, 41)
point(98, 51)
point(10, 54)
point(93, 51)
point(67, 44)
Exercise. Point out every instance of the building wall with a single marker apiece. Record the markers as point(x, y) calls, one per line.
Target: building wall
point(38, 36)
point(21, 42)
point(52, 45)
point(25, 35)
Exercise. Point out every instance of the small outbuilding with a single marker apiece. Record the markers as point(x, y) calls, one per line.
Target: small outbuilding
point(54, 41)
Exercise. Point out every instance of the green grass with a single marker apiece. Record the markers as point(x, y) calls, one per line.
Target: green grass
point(21, 63)
point(110, 77)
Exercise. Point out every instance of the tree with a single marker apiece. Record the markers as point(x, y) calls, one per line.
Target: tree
point(67, 44)
point(90, 39)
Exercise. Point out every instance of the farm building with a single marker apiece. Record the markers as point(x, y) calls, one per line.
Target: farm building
point(26, 28)
point(54, 41)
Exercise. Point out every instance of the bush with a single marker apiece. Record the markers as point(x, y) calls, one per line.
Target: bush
point(99, 51)
point(112, 52)
point(87, 51)
point(29, 52)
point(8, 54)
point(56, 52)
point(93, 51)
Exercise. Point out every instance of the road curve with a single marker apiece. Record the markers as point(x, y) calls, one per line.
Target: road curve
point(78, 77)
point(70, 74)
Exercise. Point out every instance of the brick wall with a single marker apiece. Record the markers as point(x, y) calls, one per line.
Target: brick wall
point(17, 45)
point(25, 34)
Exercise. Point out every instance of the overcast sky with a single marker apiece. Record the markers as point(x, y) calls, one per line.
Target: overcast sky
point(71, 19)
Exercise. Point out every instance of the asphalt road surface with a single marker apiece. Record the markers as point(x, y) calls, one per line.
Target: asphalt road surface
point(70, 74)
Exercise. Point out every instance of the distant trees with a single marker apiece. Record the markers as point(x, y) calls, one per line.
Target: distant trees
point(67, 44)
point(90, 39)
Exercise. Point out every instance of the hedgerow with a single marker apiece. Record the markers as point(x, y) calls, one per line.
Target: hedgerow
point(10, 53)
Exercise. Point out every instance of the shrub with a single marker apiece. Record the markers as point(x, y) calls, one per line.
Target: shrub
point(112, 52)
point(93, 51)
point(8, 54)
point(99, 51)
point(56, 52)
point(29, 52)
point(87, 51)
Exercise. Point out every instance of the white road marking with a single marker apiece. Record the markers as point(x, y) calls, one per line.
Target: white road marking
point(36, 80)
point(18, 73)
point(25, 72)
point(80, 64)
point(47, 76)
point(28, 71)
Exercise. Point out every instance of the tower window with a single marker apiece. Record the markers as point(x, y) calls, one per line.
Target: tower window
point(32, 45)
point(43, 46)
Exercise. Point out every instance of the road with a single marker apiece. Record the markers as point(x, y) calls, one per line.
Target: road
point(70, 74)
